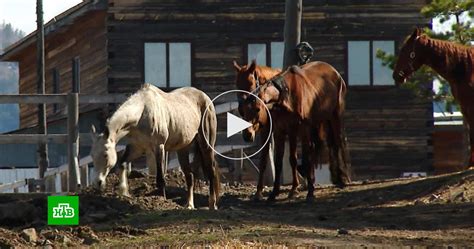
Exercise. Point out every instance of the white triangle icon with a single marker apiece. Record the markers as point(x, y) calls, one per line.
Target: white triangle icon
point(235, 124)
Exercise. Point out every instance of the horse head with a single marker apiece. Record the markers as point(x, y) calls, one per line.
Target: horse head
point(246, 79)
point(104, 156)
point(409, 58)
point(254, 108)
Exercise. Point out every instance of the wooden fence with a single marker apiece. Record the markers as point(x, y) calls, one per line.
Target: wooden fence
point(75, 173)
point(71, 172)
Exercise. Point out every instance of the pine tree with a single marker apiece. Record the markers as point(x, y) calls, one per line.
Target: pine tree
point(462, 31)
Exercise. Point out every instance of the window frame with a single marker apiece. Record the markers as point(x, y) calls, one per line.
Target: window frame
point(167, 43)
point(268, 48)
point(371, 84)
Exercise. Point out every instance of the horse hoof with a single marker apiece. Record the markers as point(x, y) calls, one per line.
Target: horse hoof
point(340, 185)
point(310, 199)
point(258, 197)
point(213, 208)
point(271, 198)
point(190, 207)
point(292, 194)
point(124, 193)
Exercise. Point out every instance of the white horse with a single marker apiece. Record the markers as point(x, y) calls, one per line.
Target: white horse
point(154, 122)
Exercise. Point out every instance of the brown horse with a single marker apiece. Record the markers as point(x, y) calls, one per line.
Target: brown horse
point(452, 61)
point(248, 79)
point(288, 118)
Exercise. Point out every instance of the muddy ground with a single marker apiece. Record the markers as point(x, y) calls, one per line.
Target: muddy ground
point(432, 211)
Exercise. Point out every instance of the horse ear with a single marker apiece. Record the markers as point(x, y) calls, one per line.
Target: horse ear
point(416, 33)
point(236, 66)
point(93, 133)
point(252, 66)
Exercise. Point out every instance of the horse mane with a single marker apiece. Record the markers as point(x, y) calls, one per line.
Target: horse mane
point(267, 72)
point(122, 117)
point(452, 48)
point(453, 52)
point(299, 94)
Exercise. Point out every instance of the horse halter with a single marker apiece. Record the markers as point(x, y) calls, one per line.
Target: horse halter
point(412, 56)
point(254, 92)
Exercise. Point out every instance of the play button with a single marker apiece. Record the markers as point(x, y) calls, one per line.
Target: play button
point(228, 145)
point(235, 124)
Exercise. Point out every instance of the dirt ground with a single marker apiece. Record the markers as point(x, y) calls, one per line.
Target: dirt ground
point(432, 211)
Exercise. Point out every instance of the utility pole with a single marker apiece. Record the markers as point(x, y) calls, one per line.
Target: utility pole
point(292, 31)
point(292, 37)
point(42, 153)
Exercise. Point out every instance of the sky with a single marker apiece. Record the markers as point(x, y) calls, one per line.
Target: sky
point(22, 13)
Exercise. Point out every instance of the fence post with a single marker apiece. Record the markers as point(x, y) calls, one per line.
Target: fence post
point(31, 185)
point(73, 141)
point(84, 175)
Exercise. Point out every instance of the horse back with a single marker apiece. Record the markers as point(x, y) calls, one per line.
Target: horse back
point(316, 87)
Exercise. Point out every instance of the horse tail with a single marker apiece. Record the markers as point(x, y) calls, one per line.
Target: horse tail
point(341, 97)
point(347, 169)
point(209, 133)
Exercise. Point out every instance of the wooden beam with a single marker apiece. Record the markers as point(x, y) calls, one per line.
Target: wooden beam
point(33, 138)
point(73, 141)
point(32, 98)
point(76, 75)
point(102, 98)
point(292, 31)
point(13, 185)
point(61, 98)
point(42, 155)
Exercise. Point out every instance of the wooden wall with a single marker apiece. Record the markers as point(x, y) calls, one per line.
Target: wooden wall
point(220, 30)
point(389, 130)
point(86, 38)
point(450, 147)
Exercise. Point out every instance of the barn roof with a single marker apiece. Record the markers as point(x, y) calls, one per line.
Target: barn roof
point(55, 25)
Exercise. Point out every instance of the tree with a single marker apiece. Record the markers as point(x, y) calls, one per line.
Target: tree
point(462, 31)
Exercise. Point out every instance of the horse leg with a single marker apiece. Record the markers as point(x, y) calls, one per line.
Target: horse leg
point(312, 147)
point(210, 169)
point(151, 162)
point(130, 154)
point(183, 158)
point(279, 152)
point(160, 174)
point(262, 165)
point(469, 118)
point(294, 164)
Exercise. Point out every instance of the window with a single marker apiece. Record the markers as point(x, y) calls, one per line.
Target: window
point(258, 52)
point(168, 65)
point(364, 68)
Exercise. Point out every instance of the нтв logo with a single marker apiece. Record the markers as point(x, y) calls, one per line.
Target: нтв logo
point(63, 210)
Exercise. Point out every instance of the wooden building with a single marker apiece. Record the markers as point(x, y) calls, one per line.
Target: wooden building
point(123, 43)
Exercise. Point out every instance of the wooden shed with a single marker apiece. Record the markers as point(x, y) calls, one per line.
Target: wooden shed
point(121, 44)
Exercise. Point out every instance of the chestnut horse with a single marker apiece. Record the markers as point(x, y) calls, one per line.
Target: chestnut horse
point(288, 122)
point(247, 79)
point(452, 61)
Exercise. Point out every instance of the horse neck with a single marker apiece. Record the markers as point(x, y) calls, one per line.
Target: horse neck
point(266, 73)
point(443, 57)
point(126, 116)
